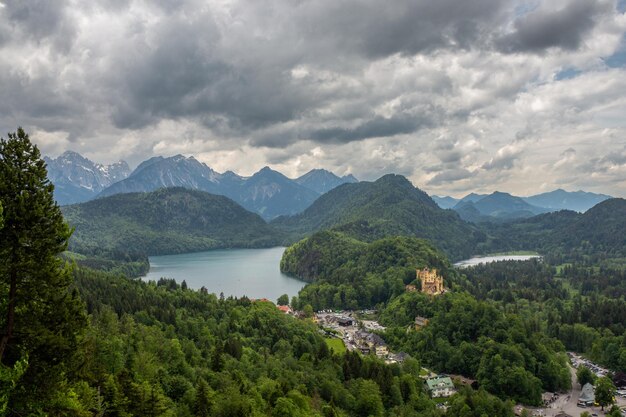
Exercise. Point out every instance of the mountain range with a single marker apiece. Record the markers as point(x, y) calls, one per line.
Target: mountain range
point(176, 220)
point(267, 192)
point(322, 181)
point(77, 179)
point(496, 206)
point(388, 206)
point(560, 199)
point(270, 193)
point(500, 206)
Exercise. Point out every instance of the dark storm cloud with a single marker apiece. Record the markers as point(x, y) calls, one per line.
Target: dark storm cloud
point(373, 128)
point(40, 20)
point(405, 27)
point(565, 28)
point(449, 152)
point(189, 74)
point(236, 76)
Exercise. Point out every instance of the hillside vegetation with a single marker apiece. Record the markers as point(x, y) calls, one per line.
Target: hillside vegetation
point(166, 221)
point(346, 273)
point(390, 206)
point(593, 236)
point(476, 338)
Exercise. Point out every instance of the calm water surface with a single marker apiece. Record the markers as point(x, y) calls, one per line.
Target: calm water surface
point(487, 259)
point(251, 272)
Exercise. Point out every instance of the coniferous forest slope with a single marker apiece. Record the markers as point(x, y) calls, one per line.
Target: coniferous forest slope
point(389, 206)
point(166, 221)
point(597, 234)
point(347, 273)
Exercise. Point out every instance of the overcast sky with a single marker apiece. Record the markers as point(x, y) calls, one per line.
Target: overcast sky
point(458, 95)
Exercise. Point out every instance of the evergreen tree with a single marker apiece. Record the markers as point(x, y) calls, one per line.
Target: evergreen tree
point(40, 315)
point(283, 300)
point(202, 404)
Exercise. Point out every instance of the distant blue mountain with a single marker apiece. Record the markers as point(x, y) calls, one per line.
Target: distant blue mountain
point(160, 172)
point(271, 194)
point(497, 206)
point(472, 197)
point(500, 206)
point(580, 201)
point(445, 202)
point(267, 192)
point(322, 181)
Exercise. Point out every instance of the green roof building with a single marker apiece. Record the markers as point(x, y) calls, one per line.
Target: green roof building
point(440, 386)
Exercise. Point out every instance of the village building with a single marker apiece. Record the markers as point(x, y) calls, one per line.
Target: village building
point(285, 309)
point(587, 395)
point(364, 349)
point(420, 322)
point(410, 288)
point(382, 351)
point(345, 321)
point(440, 386)
point(432, 283)
point(399, 357)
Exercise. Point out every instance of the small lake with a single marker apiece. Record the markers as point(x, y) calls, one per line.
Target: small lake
point(486, 259)
point(254, 273)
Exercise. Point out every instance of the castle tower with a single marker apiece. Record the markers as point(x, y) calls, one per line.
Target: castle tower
point(432, 283)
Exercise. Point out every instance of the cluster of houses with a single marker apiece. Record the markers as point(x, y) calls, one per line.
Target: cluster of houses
point(358, 335)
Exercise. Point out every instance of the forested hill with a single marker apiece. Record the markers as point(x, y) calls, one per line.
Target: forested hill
point(166, 221)
point(595, 234)
point(389, 206)
point(347, 273)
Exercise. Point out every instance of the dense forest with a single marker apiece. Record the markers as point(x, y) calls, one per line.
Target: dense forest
point(166, 221)
point(524, 313)
point(592, 238)
point(348, 274)
point(463, 333)
point(77, 341)
point(80, 342)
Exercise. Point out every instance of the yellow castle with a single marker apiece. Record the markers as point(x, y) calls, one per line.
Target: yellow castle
point(432, 283)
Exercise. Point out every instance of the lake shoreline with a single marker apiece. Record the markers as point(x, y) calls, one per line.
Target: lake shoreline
point(484, 259)
point(254, 273)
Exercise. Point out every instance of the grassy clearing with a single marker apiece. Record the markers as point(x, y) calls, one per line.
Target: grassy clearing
point(336, 345)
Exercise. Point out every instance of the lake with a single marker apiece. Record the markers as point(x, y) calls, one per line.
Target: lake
point(486, 259)
point(254, 273)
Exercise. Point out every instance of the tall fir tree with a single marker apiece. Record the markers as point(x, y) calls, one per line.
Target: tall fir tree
point(41, 315)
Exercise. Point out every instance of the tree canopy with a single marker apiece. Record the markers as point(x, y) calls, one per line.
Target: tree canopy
point(40, 315)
